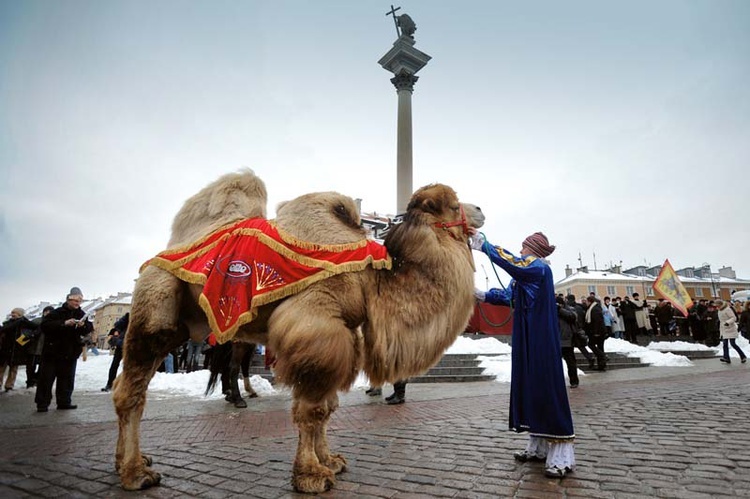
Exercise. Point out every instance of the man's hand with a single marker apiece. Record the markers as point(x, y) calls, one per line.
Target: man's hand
point(71, 322)
point(479, 294)
point(477, 240)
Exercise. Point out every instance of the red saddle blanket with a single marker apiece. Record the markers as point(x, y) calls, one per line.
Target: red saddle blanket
point(252, 262)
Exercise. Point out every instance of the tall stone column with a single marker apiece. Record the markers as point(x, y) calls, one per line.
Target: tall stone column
point(403, 60)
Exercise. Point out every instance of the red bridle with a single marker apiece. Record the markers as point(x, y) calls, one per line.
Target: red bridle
point(462, 223)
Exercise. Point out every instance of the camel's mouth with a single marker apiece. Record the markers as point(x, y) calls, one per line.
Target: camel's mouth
point(474, 216)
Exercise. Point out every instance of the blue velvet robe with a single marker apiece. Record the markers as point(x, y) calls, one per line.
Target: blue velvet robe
point(538, 397)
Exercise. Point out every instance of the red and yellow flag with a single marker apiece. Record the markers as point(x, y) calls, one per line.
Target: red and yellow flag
point(669, 287)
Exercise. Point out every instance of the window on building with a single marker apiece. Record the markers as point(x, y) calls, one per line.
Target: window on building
point(568, 291)
point(699, 292)
point(592, 289)
point(649, 291)
point(629, 290)
point(119, 310)
point(611, 291)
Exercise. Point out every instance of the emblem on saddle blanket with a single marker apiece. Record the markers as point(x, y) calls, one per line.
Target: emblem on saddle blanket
point(252, 262)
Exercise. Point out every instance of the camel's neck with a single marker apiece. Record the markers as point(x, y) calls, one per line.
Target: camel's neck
point(416, 312)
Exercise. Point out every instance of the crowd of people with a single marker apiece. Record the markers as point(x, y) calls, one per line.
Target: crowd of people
point(49, 347)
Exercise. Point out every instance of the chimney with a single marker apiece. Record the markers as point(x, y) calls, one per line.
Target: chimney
point(568, 271)
point(727, 272)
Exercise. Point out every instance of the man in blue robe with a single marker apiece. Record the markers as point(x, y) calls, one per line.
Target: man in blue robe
point(538, 397)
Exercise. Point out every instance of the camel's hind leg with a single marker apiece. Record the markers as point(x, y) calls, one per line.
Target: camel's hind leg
point(143, 354)
point(151, 334)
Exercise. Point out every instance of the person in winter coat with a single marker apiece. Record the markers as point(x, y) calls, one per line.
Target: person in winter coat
point(115, 339)
point(580, 341)
point(728, 331)
point(64, 329)
point(641, 315)
point(664, 315)
point(628, 310)
point(13, 351)
point(596, 331)
point(34, 350)
point(744, 322)
point(538, 397)
point(568, 327)
point(711, 324)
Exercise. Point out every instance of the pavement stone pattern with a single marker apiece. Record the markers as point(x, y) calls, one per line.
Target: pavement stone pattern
point(649, 432)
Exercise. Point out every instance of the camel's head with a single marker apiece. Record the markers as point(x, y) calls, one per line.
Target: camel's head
point(439, 204)
point(321, 217)
point(474, 215)
point(434, 214)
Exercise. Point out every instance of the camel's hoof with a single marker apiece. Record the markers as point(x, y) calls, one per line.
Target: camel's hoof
point(336, 463)
point(147, 461)
point(252, 395)
point(143, 480)
point(240, 404)
point(314, 483)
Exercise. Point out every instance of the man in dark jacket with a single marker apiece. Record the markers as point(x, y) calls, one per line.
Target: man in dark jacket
point(628, 310)
point(580, 319)
point(34, 349)
point(596, 331)
point(664, 316)
point(64, 329)
point(568, 328)
point(116, 339)
point(14, 334)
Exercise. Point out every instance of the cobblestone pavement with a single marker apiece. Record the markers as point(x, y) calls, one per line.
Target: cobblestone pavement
point(646, 432)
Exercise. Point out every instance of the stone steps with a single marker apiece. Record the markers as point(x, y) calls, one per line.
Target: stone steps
point(616, 361)
point(458, 368)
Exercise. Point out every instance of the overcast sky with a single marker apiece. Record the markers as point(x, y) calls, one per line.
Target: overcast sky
point(620, 129)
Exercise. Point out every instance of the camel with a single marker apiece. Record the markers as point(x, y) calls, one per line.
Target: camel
point(390, 323)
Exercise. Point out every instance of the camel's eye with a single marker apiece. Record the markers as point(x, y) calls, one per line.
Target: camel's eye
point(340, 209)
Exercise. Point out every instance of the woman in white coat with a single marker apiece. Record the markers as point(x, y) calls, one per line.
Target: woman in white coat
point(728, 331)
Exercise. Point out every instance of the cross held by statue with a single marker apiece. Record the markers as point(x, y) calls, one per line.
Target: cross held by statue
point(392, 12)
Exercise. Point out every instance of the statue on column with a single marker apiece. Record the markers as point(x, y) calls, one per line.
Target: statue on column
point(407, 25)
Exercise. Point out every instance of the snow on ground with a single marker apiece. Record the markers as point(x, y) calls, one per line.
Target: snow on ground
point(493, 354)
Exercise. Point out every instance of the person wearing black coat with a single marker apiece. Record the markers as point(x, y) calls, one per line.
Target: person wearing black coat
point(116, 340)
point(596, 331)
point(13, 353)
point(568, 328)
point(580, 312)
point(64, 329)
point(34, 349)
point(628, 310)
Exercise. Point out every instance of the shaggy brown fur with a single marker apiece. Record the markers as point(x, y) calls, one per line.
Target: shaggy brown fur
point(391, 324)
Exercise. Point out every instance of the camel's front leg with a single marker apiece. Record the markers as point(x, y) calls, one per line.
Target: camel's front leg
point(335, 462)
point(308, 473)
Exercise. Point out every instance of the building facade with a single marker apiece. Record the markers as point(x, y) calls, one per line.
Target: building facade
point(107, 314)
point(700, 283)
